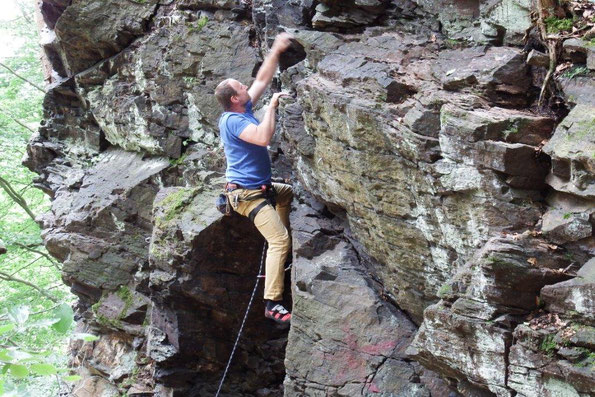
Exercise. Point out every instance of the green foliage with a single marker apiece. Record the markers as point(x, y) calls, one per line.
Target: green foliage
point(199, 25)
point(20, 362)
point(548, 345)
point(576, 71)
point(32, 338)
point(65, 317)
point(588, 360)
point(178, 161)
point(189, 80)
point(114, 322)
point(85, 337)
point(173, 205)
point(126, 296)
point(511, 130)
point(202, 22)
point(556, 25)
point(444, 291)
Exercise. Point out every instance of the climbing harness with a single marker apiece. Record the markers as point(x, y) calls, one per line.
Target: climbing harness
point(223, 204)
point(235, 345)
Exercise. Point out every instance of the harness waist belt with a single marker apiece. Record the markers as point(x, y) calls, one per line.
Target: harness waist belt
point(234, 186)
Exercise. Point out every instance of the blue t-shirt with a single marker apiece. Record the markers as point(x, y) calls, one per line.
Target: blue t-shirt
point(248, 164)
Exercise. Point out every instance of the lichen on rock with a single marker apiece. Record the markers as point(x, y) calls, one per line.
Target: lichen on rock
point(442, 225)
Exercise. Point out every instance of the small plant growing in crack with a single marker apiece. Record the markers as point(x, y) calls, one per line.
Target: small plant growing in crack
point(548, 345)
point(199, 25)
point(575, 72)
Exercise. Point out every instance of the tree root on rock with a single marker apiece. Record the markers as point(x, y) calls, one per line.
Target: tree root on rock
point(552, 43)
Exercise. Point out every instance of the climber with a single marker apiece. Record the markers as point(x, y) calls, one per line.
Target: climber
point(249, 187)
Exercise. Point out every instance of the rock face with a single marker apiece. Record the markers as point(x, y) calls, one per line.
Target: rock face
point(342, 324)
point(442, 227)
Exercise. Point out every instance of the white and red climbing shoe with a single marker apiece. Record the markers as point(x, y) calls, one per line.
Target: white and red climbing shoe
point(278, 314)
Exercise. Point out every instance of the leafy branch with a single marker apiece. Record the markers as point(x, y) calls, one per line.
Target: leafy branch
point(21, 77)
point(16, 197)
point(31, 248)
point(8, 277)
point(19, 362)
point(10, 116)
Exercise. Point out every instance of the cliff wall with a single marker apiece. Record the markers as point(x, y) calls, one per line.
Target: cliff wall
point(442, 226)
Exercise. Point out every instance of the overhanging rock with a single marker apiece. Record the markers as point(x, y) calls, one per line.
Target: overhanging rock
point(203, 266)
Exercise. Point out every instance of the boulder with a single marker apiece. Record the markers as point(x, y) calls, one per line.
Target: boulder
point(562, 227)
point(575, 297)
point(578, 90)
point(539, 362)
point(87, 35)
point(420, 199)
point(536, 58)
point(336, 346)
point(497, 22)
point(338, 16)
point(579, 51)
point(52, 9)
point(211, 4)
point(500, 71)
point(571, 149)
point(99, 227)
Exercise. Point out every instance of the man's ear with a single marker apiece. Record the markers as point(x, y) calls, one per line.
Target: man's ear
point(234, 99)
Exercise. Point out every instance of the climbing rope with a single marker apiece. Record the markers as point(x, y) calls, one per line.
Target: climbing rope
point(235, 345)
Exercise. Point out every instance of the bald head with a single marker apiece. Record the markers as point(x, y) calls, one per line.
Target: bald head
point(224, 92)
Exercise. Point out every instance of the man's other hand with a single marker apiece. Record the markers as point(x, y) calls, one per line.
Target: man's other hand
point(276, 96)
point(282, 42)
point(269, 66)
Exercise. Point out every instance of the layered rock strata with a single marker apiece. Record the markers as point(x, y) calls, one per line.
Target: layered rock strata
point(442, 227)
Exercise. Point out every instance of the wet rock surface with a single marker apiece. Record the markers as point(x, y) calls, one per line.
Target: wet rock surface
point(442, 228)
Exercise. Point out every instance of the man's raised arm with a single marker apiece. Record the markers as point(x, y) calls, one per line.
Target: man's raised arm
point(262, 133)
point(269, 66)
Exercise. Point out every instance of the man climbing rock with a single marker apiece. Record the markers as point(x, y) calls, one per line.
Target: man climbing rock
point(248, 174)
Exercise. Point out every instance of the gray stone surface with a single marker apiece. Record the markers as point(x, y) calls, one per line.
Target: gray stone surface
point(201, 274)
point(536, 58)
point(468, 334)
point(355, 150)
point(575, 297)
point(106, 203)
point(536, 368)
point(340, 324)
point(562, 227)
point(573, 147)
point(499, 21)
point(430, 192)
point(151, 101)
point(87, 33)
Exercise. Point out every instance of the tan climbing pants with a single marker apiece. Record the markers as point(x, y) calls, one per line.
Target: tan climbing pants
point(273, 224)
